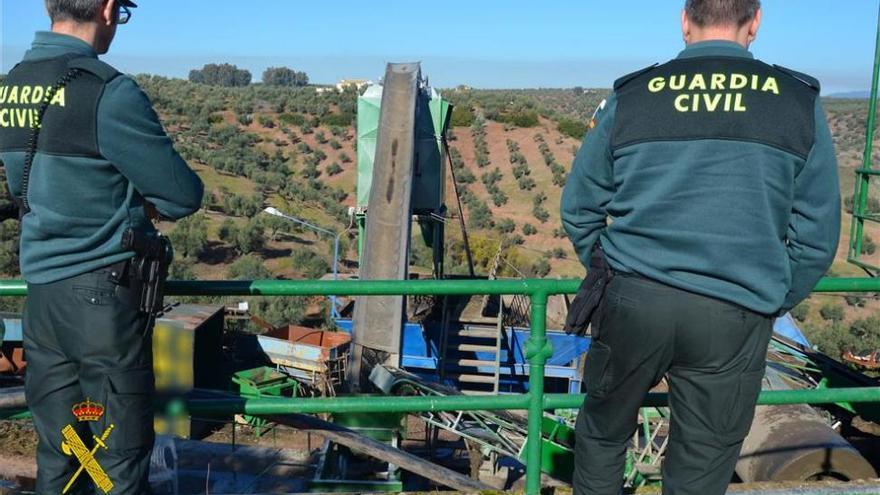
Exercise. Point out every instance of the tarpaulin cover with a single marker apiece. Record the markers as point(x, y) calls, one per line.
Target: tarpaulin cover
point(367, 132)
point(434, 114)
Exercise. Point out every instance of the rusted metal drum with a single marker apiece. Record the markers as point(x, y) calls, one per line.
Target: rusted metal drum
point(794, 443)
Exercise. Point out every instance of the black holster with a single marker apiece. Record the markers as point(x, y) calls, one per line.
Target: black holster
point(584, 310)
point(148, 270)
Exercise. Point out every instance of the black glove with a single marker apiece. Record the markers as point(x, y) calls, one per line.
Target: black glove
point(584, 308)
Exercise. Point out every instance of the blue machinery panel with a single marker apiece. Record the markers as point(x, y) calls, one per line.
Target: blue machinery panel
point(421, 356)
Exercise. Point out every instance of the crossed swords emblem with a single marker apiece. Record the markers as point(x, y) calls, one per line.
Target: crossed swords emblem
point(73, 445)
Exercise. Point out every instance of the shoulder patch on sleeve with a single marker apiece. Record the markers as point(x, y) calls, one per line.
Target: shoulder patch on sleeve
point(808, 80)
point(629, 77)
point(592, 124)
point(94, 66)
point(599, 108)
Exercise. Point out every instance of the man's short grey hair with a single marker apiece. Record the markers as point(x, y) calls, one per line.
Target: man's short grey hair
point(73, 10)
point(721, 12)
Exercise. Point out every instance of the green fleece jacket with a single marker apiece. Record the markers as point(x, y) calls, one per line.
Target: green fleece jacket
point(740, 221)
point(80, 206)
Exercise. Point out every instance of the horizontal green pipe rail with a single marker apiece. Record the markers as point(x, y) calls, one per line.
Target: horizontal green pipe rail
point(345, 287)
point(17, 288)
point(378, 404)
point(363, 404)
point(864, 284)
point(767, 397)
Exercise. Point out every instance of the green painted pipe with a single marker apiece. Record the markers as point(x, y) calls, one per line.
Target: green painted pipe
point(346, 287)
point(767, 397)
point(362, 404)
point(16, 288)
point(15, 415)
point(538, 349)
point(374, 404)
point(373, 287)
point(865, 284)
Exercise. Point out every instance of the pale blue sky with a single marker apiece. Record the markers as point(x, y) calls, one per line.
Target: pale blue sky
point(483, 43)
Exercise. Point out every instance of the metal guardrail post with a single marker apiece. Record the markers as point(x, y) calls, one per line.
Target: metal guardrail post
point(538, 350)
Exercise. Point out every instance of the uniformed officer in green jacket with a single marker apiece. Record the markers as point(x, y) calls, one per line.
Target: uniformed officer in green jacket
point(101, 160)
point(710, 183)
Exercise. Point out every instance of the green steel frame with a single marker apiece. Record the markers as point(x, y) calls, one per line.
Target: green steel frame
point(863, 176)
point(538, 351)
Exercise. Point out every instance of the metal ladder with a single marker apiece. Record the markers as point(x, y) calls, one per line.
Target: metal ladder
point(473, 338)
point(860, 212)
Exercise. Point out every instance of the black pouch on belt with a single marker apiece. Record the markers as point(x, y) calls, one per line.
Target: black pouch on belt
point(585, 307)
point(149, 267)
point(128, 287)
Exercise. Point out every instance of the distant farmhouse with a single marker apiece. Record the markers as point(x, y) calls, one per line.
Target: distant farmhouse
point(358, 84)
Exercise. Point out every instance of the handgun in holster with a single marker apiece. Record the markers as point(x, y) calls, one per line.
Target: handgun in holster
point(585, 310)
point(149, 267)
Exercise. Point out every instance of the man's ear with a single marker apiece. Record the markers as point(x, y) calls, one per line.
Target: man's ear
point(108, 12)
point(754, 26)
point(685, 27)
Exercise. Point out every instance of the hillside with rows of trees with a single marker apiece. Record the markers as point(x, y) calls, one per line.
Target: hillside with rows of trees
point(285, 144)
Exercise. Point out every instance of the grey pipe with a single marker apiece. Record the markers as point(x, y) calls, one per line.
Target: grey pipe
point(12, 398)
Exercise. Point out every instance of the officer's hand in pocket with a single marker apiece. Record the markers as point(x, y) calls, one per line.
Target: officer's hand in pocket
point(151, 212)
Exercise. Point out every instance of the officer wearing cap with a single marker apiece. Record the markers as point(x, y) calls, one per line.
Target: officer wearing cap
point(86, 159)
point(719, 177)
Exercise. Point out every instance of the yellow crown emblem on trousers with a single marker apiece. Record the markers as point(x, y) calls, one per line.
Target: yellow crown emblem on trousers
point(87, 410)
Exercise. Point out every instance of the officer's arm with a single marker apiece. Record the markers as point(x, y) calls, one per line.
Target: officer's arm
point(590, 185)
point(131, 137)
point(814, 228)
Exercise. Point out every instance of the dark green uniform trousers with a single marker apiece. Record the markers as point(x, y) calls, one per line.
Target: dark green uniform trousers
point(713, 354)
point(84, 338)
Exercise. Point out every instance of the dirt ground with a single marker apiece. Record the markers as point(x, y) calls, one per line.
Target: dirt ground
point(18, 438)
point(281, 460)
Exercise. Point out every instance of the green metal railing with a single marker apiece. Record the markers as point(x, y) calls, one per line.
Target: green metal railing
point(538, 350)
